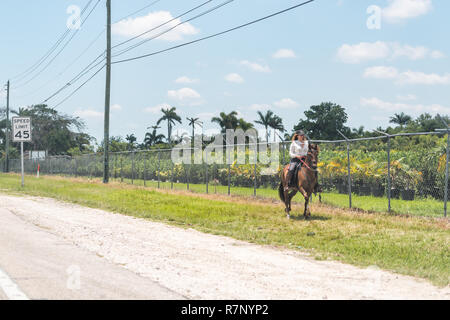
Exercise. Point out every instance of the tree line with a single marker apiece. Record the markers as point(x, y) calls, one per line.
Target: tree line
point(61, 134)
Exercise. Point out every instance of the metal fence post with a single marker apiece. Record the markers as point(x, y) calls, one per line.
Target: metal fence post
point(159, 165)
point(145, 170)
point(206, 173)
point(446, 174)
point(121, 168)
point(389, 173)
point(254, 182)
point(132, 168)
point(112, 167)
point(229, 174)
point(349, 177)
point(171, 176)
point(187, 168)
point(115, 166)
point(389, 167)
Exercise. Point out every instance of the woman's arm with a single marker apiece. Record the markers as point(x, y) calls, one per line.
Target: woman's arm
point(292, 153)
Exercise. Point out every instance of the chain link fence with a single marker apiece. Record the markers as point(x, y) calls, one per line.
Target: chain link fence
point(353, 173)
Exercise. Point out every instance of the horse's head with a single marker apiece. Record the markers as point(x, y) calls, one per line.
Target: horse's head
point(313, 155)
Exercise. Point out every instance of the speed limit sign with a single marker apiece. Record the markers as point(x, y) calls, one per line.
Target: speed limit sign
point(21, 129)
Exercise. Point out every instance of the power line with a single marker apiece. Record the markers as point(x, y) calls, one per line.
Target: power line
point(42, 59)
point(81, 86)
point(172, 28)
point(49, 52)
point(82, 73)
point(65, 69)
point(163, 24)
point(61, 50)
point(82, 53)
point(216, 34)
point(138, 11)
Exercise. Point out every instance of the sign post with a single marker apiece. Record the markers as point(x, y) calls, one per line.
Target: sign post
point(21, 133)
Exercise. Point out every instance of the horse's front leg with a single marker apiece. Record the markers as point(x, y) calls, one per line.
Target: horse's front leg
point(307, 212)
point(307, 196)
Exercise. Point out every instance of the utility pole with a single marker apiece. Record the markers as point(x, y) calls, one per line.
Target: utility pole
point(7, 129)
point(107, 93)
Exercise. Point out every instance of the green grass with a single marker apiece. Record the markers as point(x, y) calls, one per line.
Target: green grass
point(418, 207)
point(414, 246)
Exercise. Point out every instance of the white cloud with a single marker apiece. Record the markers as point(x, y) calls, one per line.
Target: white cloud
point(407, 77)
point(411, 77)
point(185, 96)
point(88, 113)
point(255, 66)
point(234, 77)
point(116, 107)
point(381, 72)
point(205, 116)
point(399, 107)
point(134, 26)
point(186, 80)
point(412, 53)
point(260, 107)
point(407, 97)
point(400, 10)
point(367, 51)
point(286, 103)
point(437, 54)
point(284, 53)
point(363, 51)
point(155, 109)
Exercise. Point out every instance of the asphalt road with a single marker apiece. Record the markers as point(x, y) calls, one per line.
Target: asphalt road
point(36, 264)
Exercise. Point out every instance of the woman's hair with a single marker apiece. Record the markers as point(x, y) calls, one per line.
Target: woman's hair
point(296, 135)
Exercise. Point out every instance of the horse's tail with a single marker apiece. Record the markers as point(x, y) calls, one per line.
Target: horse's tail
point(281, 192)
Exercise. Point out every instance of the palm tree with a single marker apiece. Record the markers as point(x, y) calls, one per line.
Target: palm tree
point(265, 120)
point(244, 125)
point(401, 119)
point(226, 121)
point(359, 132)
point(131, 138)
point(276, 123)
point(153, 138)
point(171, 117)
point(193, 122)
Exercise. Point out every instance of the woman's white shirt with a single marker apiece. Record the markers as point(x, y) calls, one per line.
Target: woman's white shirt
point(299, 149)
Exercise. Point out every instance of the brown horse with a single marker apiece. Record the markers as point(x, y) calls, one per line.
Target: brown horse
point(306, 182)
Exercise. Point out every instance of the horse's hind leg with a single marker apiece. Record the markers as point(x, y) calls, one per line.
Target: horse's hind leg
point(287, 203)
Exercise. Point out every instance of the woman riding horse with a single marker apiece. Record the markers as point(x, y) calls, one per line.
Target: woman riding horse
point(297, 152)
point(301, 151)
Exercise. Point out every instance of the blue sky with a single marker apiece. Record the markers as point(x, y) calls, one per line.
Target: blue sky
point(323, 51)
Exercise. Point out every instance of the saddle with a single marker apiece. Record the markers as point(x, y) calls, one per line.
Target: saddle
point(294, 178)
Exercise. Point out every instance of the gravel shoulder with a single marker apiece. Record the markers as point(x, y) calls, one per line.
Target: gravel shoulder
point(203, 266)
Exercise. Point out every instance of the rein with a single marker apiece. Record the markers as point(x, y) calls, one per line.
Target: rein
point(307, 166)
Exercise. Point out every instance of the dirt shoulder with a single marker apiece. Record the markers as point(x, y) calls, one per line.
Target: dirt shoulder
point(203, 266)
